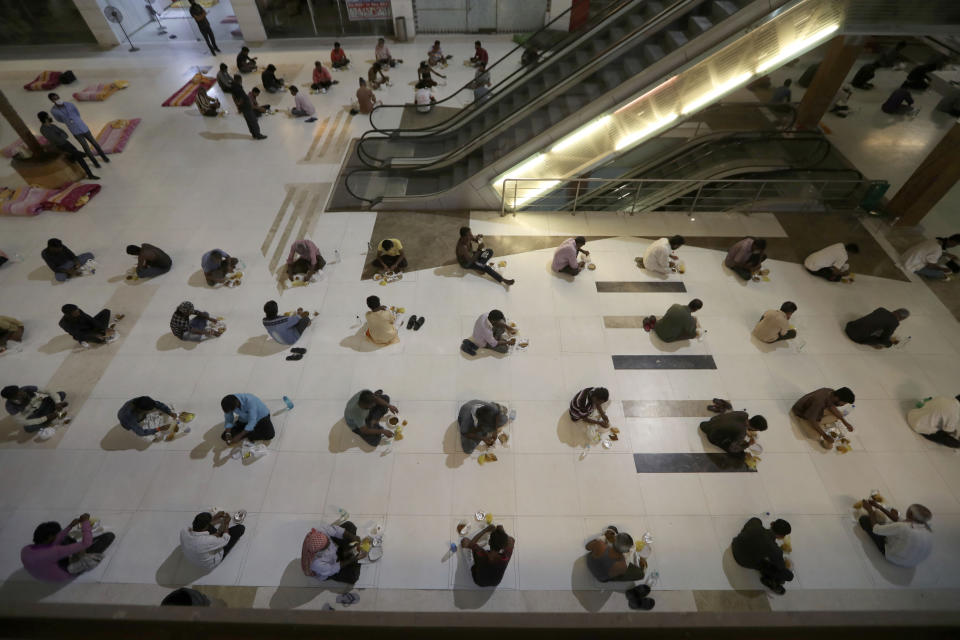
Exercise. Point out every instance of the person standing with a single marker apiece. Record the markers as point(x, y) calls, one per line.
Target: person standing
point(58, 138)
point(67, 113)
point(200, 15)
point(245, 106)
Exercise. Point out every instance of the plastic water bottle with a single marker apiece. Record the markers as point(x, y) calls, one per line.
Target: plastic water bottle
point(287, 401)
point(453, 547)
point(653, 579)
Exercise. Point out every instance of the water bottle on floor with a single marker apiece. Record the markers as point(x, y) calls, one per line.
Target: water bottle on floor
point(287, 401)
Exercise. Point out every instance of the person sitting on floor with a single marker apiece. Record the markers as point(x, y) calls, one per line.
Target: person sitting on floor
point(491, 331)
point(861, 80)
point(225, 78)
point(566, 255)
point(489, 565)
point(435, 55)
point(745, 258)
point(821, 408)
point(480, 56)
point(64, 263)
point(59, 139)
point(258, 109)
point(84, 329)
point(659, 257)
point(755, 547)
point(774, 324)
point(304, 259)
point(55, 556)
point(924, 258)
point(338, 57)
point(245, 416)
point(381, 323)
point(10, 329)
point(191, 325)
point(390, 256)
point(906, 542)
point(425, 75)
point(607, 560)
point(423, 98)
point(322, 80)
point(733, 431)
point(381, 53)
point(33, 408)
point(207, 106)
point(285, 329)
point(832, 262)
point(938, 420)
point(363, 414)
point(889, 56)
point(331, 552)
point(877, 327)
point(271, 83)
point(678, 322)
point(208, 540)
point(589, 402)
point(366, 99)
point(302, 107)
point(217, 266)
point(480, 421)
point(246, 64)
point(839, 106)
point(151, 261)
point(917, 79)
point(899, 102)
point(376, 77)
point(471, 254)
point(134, 413)
point(782, 94)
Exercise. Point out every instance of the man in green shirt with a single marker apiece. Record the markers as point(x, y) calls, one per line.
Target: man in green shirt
point(678, 322)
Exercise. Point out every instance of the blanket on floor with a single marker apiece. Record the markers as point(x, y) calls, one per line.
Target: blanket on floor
point(185, 95)
point(29, 201)
point(14, 147)
point(100, 92)
point(44, 82)
point(115, 134)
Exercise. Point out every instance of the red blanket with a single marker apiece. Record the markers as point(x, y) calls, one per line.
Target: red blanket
point(186, 94)
point(44, 82)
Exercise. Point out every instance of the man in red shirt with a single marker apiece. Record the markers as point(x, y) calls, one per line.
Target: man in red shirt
point(480, 56)
point(338, 57)
point(489, 565)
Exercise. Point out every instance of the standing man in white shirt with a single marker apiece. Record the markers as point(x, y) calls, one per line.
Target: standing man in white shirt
point(659, 256)
point(924, 257)
point(830, 263)
point(905, 543)
point(938, 420)
point(208, 541)
point(302, 106)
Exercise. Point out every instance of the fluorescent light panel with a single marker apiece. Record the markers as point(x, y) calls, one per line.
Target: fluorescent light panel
point(530, 194)
point(646, 131)
point(795, 47)
point(711, 95)
point(579, 135)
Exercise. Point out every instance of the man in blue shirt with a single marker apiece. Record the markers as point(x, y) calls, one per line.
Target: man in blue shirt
point(133, 413)
point(66, 112)
point(217, 264)
point(245, 416)
point(285, 329)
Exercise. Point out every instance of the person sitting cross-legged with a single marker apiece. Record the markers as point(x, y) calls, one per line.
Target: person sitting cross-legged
point(678, 322)
point(659, 257)
point(225, 78)
point(85, 329)
point(208, 540)
point(930, 258)
point(745, 257)
point(938, 420)
point(330, 552)
point(304, 259)
point(390, 256)
point(191, 325)
point(363, 413)
point(322, 80)
point(471, 254)
point(55, 556)
point(135, 413)
point(381, 53)
point(207, 106)
point(565, 257)
point(480, 421)
point(64, 263)
point(10, 329)
point(302, 107)
point(832, 262)
point(285, 329)
point(876, 328)
point(151, 261)
point(245, 416)
point(271, 83)
point(774, 324)
point(733, 431)
point(589, 403)
point(381, 323)
point(821, 408)
point(217, 266)
point(246, 64)
point(491, 331)
point(338, 57)
point(756, 547)
point(489, 565)
point(904, 542)
point(33, 408)
point(607, 560)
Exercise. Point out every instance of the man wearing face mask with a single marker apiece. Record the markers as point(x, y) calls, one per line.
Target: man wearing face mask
point(66, 112)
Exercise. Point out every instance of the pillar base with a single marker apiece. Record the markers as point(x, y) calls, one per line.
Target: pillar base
point(51, 171)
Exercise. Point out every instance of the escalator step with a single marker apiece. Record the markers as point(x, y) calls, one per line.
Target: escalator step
point(632, 64)
point(675, 39)
point(653, 7)
point(611, 78)
point(555, 113)
point(722, 9)
point(652, 52)
point(698, 25)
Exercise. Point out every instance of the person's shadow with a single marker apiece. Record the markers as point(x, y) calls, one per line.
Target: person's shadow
point(296, 589)
point(360, 342)
point(42, 274)
point(213, 443)
point(470, 597)
point(59, 344)
point(570, 433)
point(210, 135)
point(11, 431)
point(20, 586)
point(452, 446)
point(176, 571)
point(119, 439)
point(452, 271)
point(262, 346)
point(590, 592)
point(342, 438)
point(744, 581)
point(900, 576)
point(560, 275)
point(170, 342)
point(198, 279)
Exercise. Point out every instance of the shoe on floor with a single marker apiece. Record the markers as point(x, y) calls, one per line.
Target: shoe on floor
point(313, 119)
point(299, 350)
point(295, 356)
point(419, 324)
point(260, 137)
point(644, 604)
point(412, 321)
point(773, 586)
point(93, 177)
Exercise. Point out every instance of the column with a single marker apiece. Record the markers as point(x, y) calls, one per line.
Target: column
point(249, 21)
point(936, 175)
point(97, 22)
point(404, 9)
point(841, 53)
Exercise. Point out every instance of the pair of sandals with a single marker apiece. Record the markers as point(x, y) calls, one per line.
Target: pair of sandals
point(637, 598)
point(649, 323)
point(298, 353)
point(415, 323)
point(720, 406)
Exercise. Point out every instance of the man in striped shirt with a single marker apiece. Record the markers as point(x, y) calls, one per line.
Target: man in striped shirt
point(588, 401)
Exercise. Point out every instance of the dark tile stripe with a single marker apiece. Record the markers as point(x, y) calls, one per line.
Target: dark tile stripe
point(666, 408)
point(689, 463)
point(640, 287)
point(664, 362)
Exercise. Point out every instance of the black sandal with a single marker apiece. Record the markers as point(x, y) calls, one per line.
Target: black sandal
point(412, 321)
point(299, 350)
point(295, 356)
point(419, 323)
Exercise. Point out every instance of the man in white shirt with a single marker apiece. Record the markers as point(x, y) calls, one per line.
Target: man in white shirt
point(208, 541)
point(905, 543)
point(924, 257)
point(333, 556)
point(937, 420)
point(423, 98)
point(659, 256)
point(302, 106)
point(491, 331)
point(830, 263)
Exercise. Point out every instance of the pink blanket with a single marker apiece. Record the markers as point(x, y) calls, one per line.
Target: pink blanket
point(114, 135)
point(29, 201)
point(14, 147)
point(44, 82)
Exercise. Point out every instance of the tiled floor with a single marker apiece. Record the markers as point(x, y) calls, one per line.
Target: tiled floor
point(188, 192)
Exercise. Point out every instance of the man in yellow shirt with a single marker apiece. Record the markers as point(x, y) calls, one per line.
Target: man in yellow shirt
point(390, 256)
point(774, 324)
point(381, 327)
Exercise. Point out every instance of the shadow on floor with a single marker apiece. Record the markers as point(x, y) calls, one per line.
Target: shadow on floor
point(570, 433)
point(342, 438)
point(210, 135)
point(119, 439)
point(58, 344)
point(452, 447)
point(900, 576)
point(296, 589)
point(20, 586)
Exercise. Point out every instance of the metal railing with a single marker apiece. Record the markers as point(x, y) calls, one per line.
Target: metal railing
point(823, 190)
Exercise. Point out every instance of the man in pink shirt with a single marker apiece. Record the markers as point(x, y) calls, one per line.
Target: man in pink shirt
point(745, 257)
point(565, 257)
point(55, 557)
point(304, 258)
point(322, 80)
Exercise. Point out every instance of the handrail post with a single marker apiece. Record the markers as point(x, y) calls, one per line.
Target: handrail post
point(576, 197)
point(503, 198)
point(636, 197)
point(515, 181)
point(696, 198)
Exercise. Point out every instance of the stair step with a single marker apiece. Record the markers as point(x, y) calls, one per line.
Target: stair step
point(555, 112)
point(675, 39)
point(538, 122)
point(653, 8)
point(632, 64)
point(698, 25)
point(611, 78)
point(722, 9)
point(652, 53)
